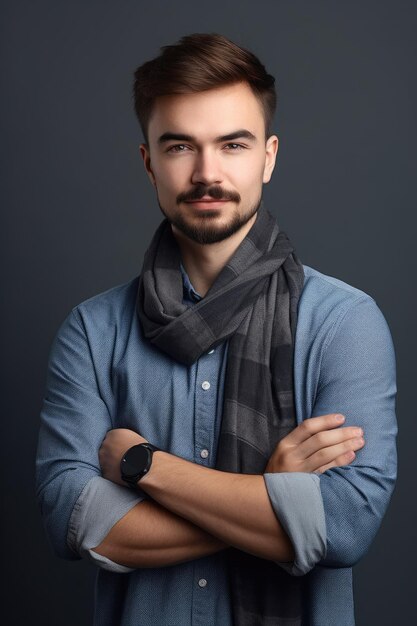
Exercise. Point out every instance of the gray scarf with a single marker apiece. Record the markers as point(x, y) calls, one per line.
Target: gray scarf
point(253, 303)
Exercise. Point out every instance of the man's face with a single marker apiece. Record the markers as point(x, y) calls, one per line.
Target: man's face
point(208, 160)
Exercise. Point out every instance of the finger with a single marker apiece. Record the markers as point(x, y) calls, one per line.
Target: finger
point(327, 438)
point(327, 455)
point(343, 459)
point(313, 425)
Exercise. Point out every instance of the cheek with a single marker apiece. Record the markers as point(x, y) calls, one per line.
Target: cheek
point(169, 180)
point(248, 178)
point(250, 168)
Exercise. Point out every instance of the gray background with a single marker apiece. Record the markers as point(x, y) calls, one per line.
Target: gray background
point(78, 212)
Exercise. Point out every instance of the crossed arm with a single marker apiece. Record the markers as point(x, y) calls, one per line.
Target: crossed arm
point(357, 376)
point(196, 511)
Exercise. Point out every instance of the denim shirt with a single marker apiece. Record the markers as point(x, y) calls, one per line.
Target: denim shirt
point(104, 374)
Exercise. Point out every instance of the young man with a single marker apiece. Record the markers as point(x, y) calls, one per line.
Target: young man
point(175, 450)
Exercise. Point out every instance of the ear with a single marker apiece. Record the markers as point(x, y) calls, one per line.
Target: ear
point(146, 156)
point(271, 150)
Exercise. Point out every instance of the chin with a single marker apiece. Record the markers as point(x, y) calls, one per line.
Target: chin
point(209, 226)
point(207, 233)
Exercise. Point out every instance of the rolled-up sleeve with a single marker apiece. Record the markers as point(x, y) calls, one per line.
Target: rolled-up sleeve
point(332, 518)
point(101, 505)
point(358, 379)
point(297, 502)
point(78, 506)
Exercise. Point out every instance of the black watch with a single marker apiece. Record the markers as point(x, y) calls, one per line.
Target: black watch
point(136, 462)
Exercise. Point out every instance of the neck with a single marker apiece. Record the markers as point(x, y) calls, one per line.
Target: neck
point(204, 262)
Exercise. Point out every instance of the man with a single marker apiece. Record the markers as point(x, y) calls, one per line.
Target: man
point(175, 450)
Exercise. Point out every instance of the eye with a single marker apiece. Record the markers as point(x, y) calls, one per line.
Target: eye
point(235, 147)
point(180, 147)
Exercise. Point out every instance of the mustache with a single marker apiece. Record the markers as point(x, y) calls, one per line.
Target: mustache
point(201, 190)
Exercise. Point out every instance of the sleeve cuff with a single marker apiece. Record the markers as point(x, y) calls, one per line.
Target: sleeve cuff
point(99, 507)
point(298, 504)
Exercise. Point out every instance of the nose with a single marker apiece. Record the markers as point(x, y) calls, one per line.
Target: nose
point(206, 168)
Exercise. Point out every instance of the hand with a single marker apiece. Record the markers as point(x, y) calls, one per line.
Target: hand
point(316, 445)
point(113, 447)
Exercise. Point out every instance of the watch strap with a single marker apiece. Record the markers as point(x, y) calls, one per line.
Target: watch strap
point(150, 446)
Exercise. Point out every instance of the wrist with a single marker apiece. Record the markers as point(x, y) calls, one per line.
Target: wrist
point(152, 478)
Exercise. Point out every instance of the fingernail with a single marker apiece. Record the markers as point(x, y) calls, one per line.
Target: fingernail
point(339, 418)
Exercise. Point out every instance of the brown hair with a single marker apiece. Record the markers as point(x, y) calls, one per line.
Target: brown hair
point(196, 63)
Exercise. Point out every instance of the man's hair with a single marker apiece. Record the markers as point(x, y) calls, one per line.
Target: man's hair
point(196, 63)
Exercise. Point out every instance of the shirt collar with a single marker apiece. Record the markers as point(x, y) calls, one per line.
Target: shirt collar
point(188, 290)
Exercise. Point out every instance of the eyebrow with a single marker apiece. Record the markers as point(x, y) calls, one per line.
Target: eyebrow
point(237, 134)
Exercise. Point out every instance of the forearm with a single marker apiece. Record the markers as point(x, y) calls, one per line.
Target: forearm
point(151, 536)
point(235, 508)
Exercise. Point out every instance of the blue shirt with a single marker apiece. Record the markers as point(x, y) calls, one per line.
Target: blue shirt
point(104, 374)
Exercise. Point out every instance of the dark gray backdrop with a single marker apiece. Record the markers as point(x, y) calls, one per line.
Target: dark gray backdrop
point(78, 212)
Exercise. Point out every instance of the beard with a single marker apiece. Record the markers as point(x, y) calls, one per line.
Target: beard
point(203, 228)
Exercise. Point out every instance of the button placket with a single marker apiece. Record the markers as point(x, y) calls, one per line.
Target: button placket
point(205, 405)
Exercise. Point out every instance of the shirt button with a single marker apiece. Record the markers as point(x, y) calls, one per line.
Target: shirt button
point(206, 385)
point(204, 453)
point(202, 582)
point(211, 351)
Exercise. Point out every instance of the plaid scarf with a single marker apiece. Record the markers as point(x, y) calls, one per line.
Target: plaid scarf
point(253, 303)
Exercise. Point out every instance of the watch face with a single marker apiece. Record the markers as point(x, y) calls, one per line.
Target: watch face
point(135, 461)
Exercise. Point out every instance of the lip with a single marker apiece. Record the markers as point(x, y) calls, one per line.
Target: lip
point(211, 204)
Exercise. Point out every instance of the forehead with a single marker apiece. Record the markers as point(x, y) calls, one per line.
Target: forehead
point(206, 114)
